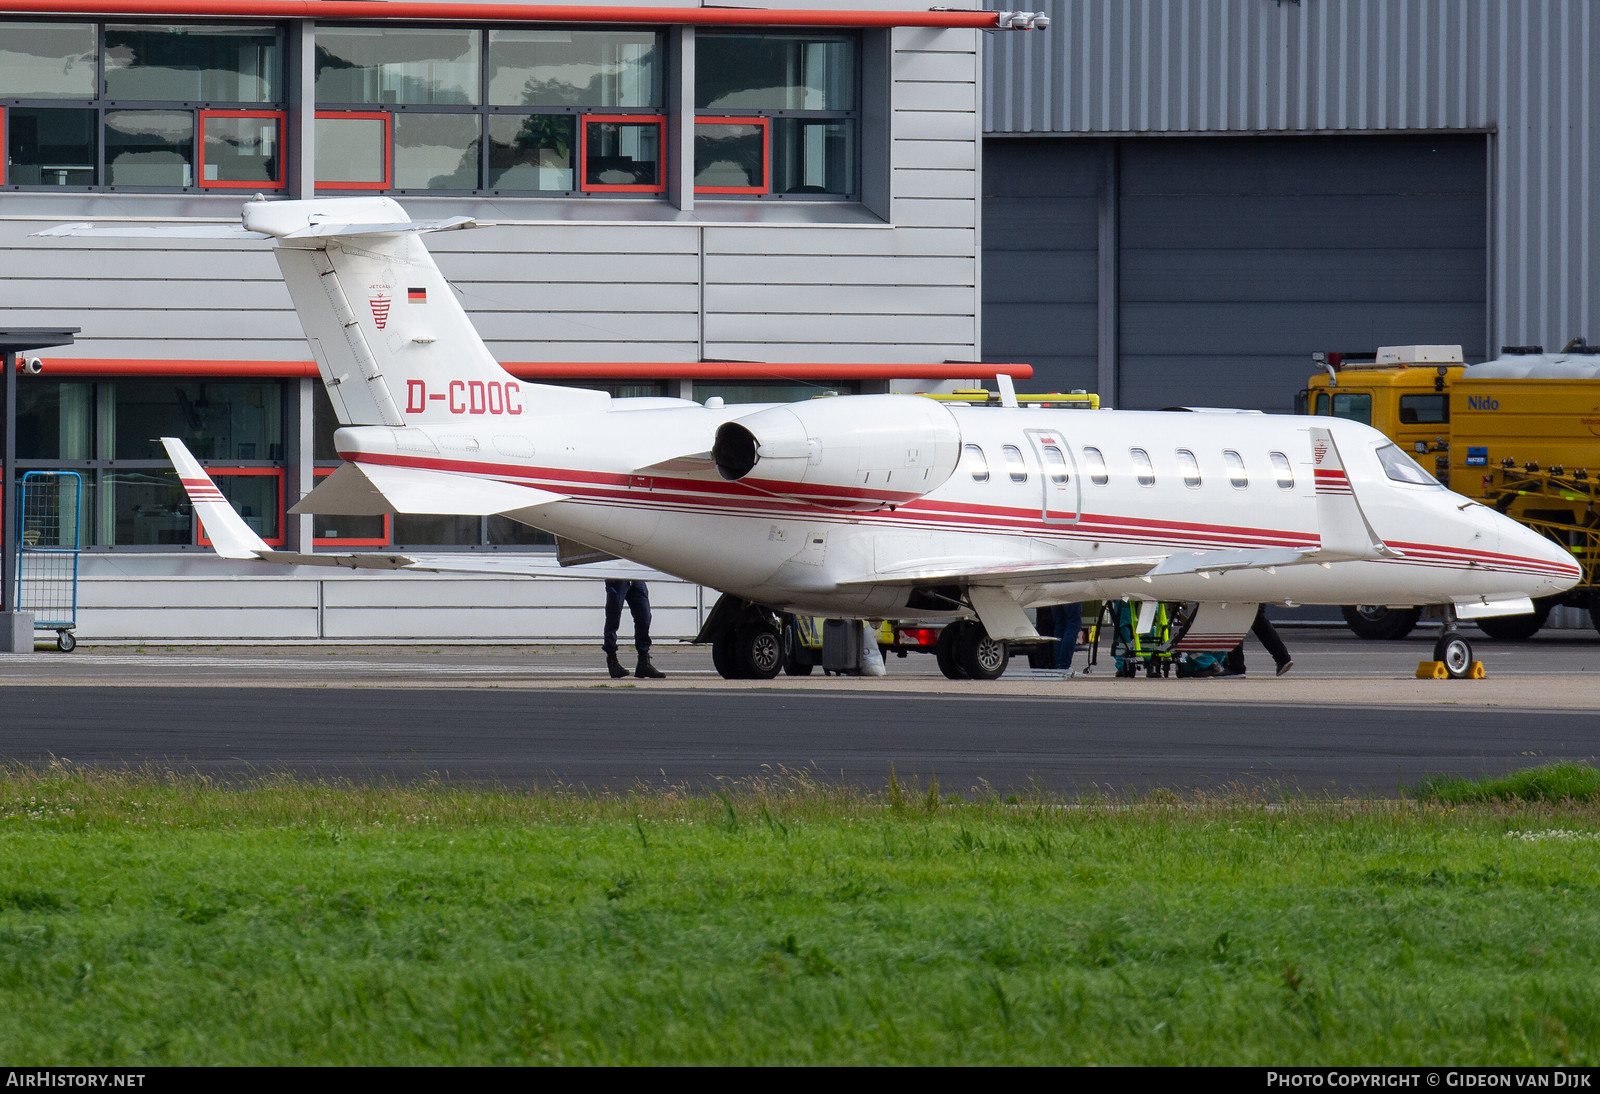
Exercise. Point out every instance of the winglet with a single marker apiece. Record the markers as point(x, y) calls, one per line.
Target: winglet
point(1345, 530)
point(230, 536)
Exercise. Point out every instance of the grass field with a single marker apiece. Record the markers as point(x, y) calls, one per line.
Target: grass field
point(152, 919)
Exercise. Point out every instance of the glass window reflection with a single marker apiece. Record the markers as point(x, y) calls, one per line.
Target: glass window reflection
point(397, 65)
point(150, 148)
point(532, 151)
point(596, 68)
point(192, 64)
point(51, 146)
point(47, 61)
point(774, 72)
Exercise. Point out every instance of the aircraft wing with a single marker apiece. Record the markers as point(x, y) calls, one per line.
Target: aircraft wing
point(983, 572)
point(419, 491)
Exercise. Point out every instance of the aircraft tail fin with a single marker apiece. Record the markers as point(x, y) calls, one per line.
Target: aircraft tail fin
point(392, 342)
point(230, 535)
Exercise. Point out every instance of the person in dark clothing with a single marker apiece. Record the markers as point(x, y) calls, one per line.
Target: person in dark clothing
point(637, 597)
point(1066, 620)
point(1267, 635)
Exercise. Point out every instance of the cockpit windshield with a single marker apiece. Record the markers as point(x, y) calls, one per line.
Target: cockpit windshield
point(1402, 468)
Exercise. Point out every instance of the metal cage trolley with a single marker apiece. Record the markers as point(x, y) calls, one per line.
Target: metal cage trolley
point(48, 538)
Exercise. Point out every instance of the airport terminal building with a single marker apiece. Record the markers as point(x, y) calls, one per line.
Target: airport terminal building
point(734, 202)
point(1167, 201)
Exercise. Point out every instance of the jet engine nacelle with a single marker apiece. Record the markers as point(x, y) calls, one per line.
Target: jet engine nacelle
point(856, 452)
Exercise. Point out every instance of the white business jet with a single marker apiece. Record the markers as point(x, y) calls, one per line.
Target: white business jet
point(869, 506)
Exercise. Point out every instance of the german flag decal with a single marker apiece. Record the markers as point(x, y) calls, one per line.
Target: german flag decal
point(417, 296)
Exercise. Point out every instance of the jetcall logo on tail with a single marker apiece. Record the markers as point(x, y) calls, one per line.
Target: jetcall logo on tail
point(381, 301)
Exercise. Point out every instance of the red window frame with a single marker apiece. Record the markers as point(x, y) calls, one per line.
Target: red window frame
point(387, 119)
point(586, 120)
point(204, 540)
point(766, 156)
point(281, 117)
point(345, 541)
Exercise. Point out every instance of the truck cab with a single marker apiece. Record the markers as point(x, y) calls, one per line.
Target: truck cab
point(1402, 391)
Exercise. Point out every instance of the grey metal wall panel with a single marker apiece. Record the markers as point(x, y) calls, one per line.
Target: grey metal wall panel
point(195, 595)
point(1040, 259)
point(1213, 308)
point(644, 285)
point(1519, 69)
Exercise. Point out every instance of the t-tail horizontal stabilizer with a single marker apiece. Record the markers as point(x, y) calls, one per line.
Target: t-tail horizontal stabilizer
point(1346, 533)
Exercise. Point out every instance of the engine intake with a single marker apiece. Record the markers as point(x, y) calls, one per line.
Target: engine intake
point(856, 452)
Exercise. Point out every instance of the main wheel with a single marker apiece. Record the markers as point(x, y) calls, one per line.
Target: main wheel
point(723, 659)
point(1375, 621)
point(795, 659)
point(944, 651)
point(1455, 652)
point(1516, 628)
point(981, 657)
point(757, 649)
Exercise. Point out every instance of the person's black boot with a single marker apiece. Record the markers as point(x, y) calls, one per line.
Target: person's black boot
point(614, 667)
point(647, 671)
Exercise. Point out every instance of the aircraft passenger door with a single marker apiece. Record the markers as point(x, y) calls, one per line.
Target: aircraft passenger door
point(1062, 491)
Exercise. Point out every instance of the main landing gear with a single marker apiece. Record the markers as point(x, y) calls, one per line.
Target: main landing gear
point(966, 652)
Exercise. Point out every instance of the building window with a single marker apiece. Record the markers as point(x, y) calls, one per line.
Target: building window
point(354, 151)
point(804, 87)
point(623, 154)
point(732, 155)
point(256, 494)
point(141, 106)
point(105, 430)
point(547, 111)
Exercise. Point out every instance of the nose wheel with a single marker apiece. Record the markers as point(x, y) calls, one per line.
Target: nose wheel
point(1455, 653)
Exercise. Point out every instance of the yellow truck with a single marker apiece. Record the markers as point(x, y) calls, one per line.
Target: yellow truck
point(1520, 433)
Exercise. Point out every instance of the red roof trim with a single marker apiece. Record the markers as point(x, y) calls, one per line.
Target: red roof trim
point(367, 11)
point(566, 370)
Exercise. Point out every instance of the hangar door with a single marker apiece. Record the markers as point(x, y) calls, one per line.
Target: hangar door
point(1232, 259)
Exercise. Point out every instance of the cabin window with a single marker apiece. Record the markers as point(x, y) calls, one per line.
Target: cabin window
point(1285, 473)
point(1402, 468)
point(1055, 464)
point(1236, 472)
point(1142, 467)
point(1190, 468)
point(978, 464)
point(1014, 465)
point(1097, 466)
